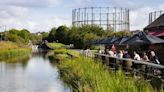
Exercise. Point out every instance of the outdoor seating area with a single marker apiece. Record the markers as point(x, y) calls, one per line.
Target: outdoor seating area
point(140, 43)
point(133, 67)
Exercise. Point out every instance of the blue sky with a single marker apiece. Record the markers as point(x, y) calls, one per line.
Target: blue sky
point(42, 15)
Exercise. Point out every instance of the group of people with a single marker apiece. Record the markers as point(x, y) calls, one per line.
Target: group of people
point(150, 56)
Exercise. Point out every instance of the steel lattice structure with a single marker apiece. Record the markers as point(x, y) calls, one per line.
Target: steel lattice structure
point(154, 15)
point(113, 18)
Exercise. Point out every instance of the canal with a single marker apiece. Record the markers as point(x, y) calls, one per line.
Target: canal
point(36, 74)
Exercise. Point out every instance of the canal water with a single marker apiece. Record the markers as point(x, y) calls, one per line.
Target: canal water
point(36, 74)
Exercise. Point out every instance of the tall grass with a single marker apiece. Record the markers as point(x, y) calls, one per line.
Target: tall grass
point(66, 51)
point(85, 75)
point(57, 45)
point(6, 54)
point(62, 54)
point(4, 45)
point(10, 50)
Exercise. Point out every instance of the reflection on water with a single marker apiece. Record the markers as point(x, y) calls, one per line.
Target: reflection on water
point(34, 75)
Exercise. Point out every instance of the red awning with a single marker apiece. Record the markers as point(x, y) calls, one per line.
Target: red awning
point(157, 33)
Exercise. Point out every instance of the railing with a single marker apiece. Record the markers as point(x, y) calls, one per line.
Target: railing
point(135, 61)
point(134, 67)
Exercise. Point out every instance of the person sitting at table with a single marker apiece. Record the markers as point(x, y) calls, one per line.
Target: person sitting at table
point(136, 56)
point(111, 53)
point(120, 54)
point(126, 54)
point(154, 58)
point(145, 57)
point(136, 66)
point(126, 64)
point(100, 51)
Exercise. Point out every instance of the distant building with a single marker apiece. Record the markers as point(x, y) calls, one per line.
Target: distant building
point(38, 33)
point(156, 27)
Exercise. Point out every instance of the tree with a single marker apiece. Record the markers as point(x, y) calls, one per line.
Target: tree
point(25, 34)
point(45, 35)
point(61, 34)
point(88, 38)
point(36, 39)
point(118, 34)
point(92, 29)
point(51, 36)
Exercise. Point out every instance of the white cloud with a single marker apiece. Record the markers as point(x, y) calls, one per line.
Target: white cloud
point(31, 3)
point(161, 7)
point(139, 18)
point(39, 15)
point(34, 25)
point(80, 3)
point(19, 16)
point(131, 4)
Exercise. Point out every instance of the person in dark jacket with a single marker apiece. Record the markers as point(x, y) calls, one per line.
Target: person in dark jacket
point(126, 55)
point(154, 58)
point(126, 65)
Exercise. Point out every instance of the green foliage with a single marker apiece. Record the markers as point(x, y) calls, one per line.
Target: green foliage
point(56, 45)
point(25, 34)
point(79, 36)
point(66, 51)
point(22, 37)
point(18, 36)
point(10, 50)
point(36, 39)
point(59, 57)
point(82, 36)
point(118, 34)
point(63, 54)
point(88, 38)
point(85, 75)
point(45, 35)
point(51, 35)
point(61, 34)
point(12, 53)
point(6, 45)
point(92, 29)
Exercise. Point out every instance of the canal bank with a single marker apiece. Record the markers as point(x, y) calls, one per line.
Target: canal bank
point(83, 74)
point(10, 51)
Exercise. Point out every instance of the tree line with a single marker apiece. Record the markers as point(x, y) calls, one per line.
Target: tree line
point(80, 37)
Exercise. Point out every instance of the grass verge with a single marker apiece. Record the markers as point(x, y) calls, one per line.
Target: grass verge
point(85, 75)
point(57, 45)
point(63, 54)
point(11, 51)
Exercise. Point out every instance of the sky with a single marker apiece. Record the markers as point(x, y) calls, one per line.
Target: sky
point(42, 15)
